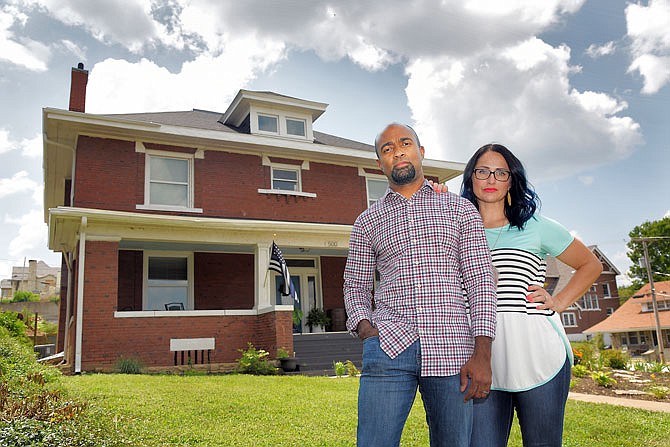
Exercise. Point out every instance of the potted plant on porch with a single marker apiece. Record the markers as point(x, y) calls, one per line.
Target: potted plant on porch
point(317, 318)
point(287, 362)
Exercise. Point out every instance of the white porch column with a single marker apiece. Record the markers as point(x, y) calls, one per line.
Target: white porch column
point(81, 261)
point(262, 277)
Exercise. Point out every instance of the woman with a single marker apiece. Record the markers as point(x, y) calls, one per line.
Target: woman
point(531, 355)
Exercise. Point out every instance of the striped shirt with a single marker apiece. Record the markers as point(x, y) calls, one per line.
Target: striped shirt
point(427, 249)
point(531, 345)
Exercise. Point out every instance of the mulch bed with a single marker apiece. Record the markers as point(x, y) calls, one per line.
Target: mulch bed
point(628, 384)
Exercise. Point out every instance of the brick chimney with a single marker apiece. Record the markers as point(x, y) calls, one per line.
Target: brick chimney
point(78, 88)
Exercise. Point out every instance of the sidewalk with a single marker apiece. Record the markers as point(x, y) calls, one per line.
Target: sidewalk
point(634, 403)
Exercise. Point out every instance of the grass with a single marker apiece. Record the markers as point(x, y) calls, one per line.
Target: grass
point(243, 410)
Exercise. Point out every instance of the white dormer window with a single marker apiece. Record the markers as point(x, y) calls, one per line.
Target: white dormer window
point(295, 127)
point(268, 123)
point(271, 121)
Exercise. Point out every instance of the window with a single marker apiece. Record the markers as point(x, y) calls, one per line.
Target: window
point(268, 123)
point(569, 319)
point(286, 179)
point(632, 338)
point(167, 281)
point(169, 181)
point(660, 304)
point(295, 127)
point(376, 189)
point(589, 302)
point(610, 311)
point(606, 290)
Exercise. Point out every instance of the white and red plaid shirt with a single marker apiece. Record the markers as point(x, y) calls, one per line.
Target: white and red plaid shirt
point(431, 253)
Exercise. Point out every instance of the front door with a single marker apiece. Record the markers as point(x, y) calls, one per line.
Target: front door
point(304, 277)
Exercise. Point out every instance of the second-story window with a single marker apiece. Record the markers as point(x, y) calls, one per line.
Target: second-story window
point(169, 181)
point(606, 290)
point(286, 179)
point(376, 189)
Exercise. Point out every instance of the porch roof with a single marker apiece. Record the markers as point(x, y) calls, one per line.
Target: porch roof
point(66, 223)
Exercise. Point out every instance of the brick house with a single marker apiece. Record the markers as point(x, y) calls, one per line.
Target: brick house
point(178, 210)
point(632, 326)
point(599, 302)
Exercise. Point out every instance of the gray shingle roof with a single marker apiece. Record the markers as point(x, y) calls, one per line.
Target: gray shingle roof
point(207, 120)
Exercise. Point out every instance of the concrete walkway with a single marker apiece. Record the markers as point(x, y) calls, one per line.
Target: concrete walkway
point(634, 403)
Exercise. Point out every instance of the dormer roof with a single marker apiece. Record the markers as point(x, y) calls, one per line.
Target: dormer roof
point(240, 108)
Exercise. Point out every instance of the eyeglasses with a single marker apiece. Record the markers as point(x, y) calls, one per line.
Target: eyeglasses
point(502, 175)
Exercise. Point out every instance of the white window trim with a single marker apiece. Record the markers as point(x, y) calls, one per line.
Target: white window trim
point(291, 168)
point(293, 118)
point(304, 166)
point(168, 254)
point(372, 177)
point(269, 115)
point(147, 182)
point(281, 116)
point(609, 291)
point(573, 316)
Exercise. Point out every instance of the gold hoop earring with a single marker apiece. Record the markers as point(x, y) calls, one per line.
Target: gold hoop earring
point(509, 199)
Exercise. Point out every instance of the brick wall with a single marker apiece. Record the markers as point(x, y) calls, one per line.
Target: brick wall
point(226, 185)
point(130, 266)
point(332, 280)
point(106, 339)
point(224, 281)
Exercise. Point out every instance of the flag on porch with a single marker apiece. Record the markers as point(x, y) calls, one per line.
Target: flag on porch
point(278, 264)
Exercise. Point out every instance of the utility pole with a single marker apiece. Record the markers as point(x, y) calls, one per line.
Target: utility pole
point(659, 332)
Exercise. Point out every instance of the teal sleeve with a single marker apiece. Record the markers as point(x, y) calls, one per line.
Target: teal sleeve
point(555, 237)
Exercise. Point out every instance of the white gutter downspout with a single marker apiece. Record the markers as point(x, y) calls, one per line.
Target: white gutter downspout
point(81, 260)
point(68, 306)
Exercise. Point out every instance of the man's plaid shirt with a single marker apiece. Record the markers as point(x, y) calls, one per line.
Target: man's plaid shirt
point(430, 250)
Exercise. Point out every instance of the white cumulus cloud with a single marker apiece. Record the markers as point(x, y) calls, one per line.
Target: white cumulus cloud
point(648, 30)
point(18, 50)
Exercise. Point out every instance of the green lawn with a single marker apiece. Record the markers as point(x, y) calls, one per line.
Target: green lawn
point(242, 410)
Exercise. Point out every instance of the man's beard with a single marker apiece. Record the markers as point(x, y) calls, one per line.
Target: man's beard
point(404, 175)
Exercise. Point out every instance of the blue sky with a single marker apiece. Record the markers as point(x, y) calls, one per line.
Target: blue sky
point(579, 90)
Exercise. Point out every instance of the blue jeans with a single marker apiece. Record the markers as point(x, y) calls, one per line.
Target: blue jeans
point(386, 394)
point(540, 412)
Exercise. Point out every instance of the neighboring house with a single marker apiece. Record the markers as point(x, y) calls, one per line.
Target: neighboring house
point(600, 301)
point(633, 325)
point(178, 210)
point(38, 278)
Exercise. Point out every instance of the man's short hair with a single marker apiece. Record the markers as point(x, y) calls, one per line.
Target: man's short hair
point(407, 126)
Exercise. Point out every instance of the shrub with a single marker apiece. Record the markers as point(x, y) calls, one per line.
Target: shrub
point(584, 353)
point(351, 368)
point(128, 365)
point(254, 361)
point(21, 296)
point(34, 412)
point(339, 368)
point(13, 327)
point(580, 371)
point(603, 379)
point(282, 353)
point(614, 358)
point(659, 391)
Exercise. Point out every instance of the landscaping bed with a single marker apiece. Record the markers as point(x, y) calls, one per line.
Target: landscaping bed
point(629, 384)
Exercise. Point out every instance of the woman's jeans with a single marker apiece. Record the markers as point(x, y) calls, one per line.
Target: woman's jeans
point(386, 394)
point(540, 412)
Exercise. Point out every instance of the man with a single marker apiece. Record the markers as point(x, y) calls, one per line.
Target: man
point(428, 248)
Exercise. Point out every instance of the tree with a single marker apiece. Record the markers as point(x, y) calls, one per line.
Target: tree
point(659, 251)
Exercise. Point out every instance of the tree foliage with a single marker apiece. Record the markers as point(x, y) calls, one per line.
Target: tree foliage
point(659, 251)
